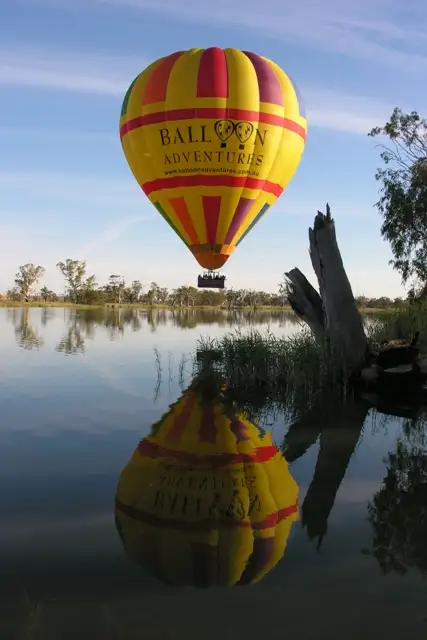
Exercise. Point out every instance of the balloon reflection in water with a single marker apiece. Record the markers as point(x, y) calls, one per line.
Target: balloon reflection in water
point(206, 499)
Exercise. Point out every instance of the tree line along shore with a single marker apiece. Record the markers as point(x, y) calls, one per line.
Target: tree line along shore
point(82, 289)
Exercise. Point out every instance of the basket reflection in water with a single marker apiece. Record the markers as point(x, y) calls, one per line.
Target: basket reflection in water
point(206, 499)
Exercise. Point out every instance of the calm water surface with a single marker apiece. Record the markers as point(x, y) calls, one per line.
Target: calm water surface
point(79, 390)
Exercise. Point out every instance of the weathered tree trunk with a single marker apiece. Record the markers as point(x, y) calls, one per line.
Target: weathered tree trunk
point(332, 316)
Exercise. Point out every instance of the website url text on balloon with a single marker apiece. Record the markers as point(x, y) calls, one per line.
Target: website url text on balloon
point(235, 172)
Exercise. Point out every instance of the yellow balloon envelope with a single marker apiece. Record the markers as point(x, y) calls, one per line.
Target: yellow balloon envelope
point(207, 498)
point(213, 136)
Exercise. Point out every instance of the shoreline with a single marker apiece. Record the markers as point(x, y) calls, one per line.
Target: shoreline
point(110, 306)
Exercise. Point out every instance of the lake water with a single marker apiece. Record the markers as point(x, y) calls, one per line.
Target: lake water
point(80, 389)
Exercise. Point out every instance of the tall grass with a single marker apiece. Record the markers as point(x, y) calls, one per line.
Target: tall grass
point(261, 369)
point(402, 324)
point(265, 370)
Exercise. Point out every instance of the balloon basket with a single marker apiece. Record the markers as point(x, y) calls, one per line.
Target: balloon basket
point(211, 280)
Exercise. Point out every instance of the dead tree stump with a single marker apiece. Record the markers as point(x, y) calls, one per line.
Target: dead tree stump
point(331, 313)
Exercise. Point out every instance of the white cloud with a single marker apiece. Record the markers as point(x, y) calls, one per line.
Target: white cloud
point(369, 29)
point(56, 135)
point(344, 112)
point(62, 187)
point(107, 236)
point(53, 69)
point(110, 76)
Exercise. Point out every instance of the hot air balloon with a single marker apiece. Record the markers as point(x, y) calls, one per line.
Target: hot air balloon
point(213, 137)
point(206, 499)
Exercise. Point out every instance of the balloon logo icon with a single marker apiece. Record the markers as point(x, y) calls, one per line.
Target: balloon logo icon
point(224, 130)
point(244, 130)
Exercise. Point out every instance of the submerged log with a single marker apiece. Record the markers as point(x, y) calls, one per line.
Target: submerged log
point(331, 314)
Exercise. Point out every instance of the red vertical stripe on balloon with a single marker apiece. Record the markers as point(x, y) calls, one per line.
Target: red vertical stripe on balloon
point(212, 79)
point(181, 422)
point(239, 217)
point(180, 208)
point(157, 83)
point(238, 428)
point(269, 85)
point(211, 209)
point(207, 427)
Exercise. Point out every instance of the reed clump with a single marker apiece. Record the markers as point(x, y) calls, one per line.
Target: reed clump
point(292, 370)
point(400, 324)
point(260, 368)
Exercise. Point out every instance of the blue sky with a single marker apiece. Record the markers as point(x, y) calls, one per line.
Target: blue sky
point(65, 187)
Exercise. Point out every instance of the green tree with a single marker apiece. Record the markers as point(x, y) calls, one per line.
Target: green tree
point(135, 291)
point(78, 284)
point(152, 293)
point(47, 294)
point(44, 292)
point(89, 293)
point(185, 296)
point(403, 200)
point(398, 303)
point(162, 295)
point(361, 302)
point(26, 277)
point(383, 303)
point(232, 298)
point(252, 298)
point(116, 285)
point(13, 294)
